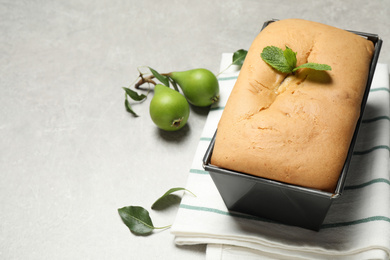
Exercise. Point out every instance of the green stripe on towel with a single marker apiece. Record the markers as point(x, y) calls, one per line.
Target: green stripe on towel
point(371, 150)
point(379, 89)
point(228, 78)
point(356, 222)
point(198, 171)
point(370, 120)
point(379, 180)
point(216, 108)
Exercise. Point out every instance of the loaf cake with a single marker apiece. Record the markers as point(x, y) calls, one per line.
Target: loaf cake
point(295, 128)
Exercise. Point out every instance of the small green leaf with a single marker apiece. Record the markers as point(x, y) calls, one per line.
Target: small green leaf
point(129, 109)
point(168, 199)
point(134, 95)
point(163, 79)
point(274, 56)
point(166, 202)
point(314, 66)
point(239, 57)
point(174, 84)
point(137, 219)
point(291, 57)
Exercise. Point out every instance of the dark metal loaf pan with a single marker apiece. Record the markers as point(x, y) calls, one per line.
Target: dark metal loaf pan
point(277, 201)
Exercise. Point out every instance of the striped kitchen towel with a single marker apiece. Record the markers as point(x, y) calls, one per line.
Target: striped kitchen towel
point(357, 225)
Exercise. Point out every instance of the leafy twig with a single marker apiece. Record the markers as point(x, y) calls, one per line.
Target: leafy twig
point(144, 80)
point(163, 78)
point(149, 79)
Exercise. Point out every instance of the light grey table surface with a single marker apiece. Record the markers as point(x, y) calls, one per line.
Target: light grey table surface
point(70, 155)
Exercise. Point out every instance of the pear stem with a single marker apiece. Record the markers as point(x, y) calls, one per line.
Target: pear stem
point(144, 80)
point(148, 79)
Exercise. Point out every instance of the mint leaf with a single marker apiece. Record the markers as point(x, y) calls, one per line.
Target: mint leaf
point(163, 79)
point(291, 57)
point(314, 66)
point(274, 56)
point(239, 57)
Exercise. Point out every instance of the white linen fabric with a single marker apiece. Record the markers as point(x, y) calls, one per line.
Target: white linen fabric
point(357, 225)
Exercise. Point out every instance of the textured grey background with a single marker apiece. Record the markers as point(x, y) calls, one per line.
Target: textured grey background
point(69, 153)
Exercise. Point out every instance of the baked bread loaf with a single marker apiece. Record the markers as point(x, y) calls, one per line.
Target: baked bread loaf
point(296, 128)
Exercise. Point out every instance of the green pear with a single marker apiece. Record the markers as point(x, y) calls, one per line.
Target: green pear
point(168, 108)
point(199, 86)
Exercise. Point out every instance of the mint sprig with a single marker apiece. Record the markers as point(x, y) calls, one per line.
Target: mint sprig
point(286, 61)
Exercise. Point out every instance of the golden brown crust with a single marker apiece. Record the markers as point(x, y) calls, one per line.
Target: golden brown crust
point(295, 129)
